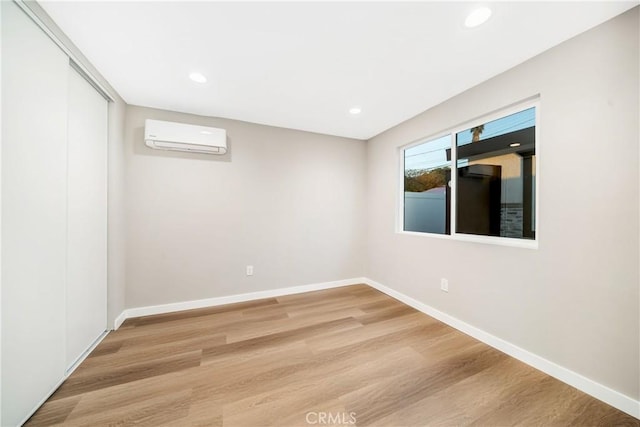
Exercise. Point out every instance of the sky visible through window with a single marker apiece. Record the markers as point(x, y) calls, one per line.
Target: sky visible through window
point(432, 154)
point(429, 155)
point(522, 120)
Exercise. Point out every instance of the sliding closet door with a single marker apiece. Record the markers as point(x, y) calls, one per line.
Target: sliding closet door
point(34, 214)
point(87, 217)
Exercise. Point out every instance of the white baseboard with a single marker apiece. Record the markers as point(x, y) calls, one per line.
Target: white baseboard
point(119, 320)
point(592, 388)
point(211, 302)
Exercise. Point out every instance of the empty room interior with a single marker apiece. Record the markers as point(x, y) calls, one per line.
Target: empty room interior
point(320, 213)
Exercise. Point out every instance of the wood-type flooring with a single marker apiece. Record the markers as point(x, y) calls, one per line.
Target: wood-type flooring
point(345, 356)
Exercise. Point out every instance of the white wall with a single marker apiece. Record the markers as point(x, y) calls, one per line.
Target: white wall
point(290, 203)
point(575, 300)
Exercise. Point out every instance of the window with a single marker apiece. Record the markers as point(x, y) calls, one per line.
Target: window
point(427, 172)
point(495, 182)
point(493, 190)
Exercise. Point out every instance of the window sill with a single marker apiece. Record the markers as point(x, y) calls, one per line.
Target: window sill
point(489, 240)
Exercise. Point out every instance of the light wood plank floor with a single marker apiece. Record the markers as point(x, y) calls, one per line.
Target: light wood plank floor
point(321, 358)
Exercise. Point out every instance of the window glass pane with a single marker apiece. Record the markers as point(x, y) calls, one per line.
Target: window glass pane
point(496, 177)
point(427, 171)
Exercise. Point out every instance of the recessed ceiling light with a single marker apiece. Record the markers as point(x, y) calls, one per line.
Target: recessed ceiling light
point(198, 77)
point(355, 110)
point(514, 144)
point(477, 17)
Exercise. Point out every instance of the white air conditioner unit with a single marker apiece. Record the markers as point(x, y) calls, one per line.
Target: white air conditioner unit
point(182, 137)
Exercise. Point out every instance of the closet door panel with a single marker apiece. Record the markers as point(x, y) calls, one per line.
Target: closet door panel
point(34, 214)
point(87, 217)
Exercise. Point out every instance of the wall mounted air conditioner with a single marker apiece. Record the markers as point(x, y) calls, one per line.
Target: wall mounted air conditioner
point(163, 135)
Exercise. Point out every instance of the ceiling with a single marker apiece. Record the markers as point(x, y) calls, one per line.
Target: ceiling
point(303, 65)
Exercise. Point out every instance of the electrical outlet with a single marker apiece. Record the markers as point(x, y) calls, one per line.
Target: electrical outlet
point(249, 270)
point(444, 285)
